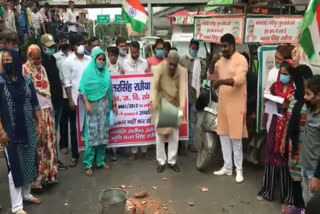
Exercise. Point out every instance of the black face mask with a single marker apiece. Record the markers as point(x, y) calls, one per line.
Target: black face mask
point(310, 105)
point(64, 47)
point(9, 68)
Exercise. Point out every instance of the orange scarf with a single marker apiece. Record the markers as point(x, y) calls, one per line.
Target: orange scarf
point(39, 78)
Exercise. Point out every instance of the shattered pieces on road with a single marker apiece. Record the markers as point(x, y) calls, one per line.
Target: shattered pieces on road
point(204, 189)
point(191, 204)
point(142, 194)
point(123, 186)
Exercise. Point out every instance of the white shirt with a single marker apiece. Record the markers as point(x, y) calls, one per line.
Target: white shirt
point(10, 21)
point(71, 16)
point(114, 68)
point(60, 59)
point(72, 72)
point(121, 59)
point(37, 20)
point(130, 66)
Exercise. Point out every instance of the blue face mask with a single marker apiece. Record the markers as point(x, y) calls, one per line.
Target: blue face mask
point(285, 79)
point(1, 52)
point(100, 66)
point(49, 51)
point(123, 52)
point(159, 53)
point(193, 53)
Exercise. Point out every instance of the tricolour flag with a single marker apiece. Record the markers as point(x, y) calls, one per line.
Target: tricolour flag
point(310, 33)
point(134, 12)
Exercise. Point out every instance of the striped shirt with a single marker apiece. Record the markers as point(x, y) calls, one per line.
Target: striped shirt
point(294, 159)
point(37, 20)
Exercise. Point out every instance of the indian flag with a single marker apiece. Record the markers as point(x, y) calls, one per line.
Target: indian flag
point(310, 30)
point(134, 12)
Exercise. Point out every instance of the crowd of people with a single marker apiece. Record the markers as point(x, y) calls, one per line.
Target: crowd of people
point(42, 87)
point(30, 20)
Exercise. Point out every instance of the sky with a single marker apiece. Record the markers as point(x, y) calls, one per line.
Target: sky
point(93, 12)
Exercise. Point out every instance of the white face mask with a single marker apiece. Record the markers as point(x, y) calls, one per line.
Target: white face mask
point(80, 50)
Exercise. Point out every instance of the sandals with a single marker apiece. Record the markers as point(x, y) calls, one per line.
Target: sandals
point(21, 212)
point(73, 163)
point(260, 198)
point(64, 151)
point(34, 200)
point(89, 172)
point(37, 188)
point(106, 166)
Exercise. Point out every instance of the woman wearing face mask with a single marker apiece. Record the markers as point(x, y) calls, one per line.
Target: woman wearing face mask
point(96, 89)
point(159, 54)
point(47, 153)
point(276, 164)
point(19, 109)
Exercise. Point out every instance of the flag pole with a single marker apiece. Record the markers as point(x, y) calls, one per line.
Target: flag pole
point(121, 26)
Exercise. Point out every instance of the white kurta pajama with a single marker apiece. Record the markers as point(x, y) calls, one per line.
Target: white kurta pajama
point(18, 194)
point(173, 89)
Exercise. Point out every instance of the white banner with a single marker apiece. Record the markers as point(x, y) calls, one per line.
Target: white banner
point(211, 29)
point(133, 125)
point(273, 30)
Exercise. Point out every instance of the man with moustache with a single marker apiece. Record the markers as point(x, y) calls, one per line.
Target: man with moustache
point(231, 71)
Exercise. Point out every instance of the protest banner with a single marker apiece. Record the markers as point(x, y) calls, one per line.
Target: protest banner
point(211, 29)
point(272, 30)
point(266, 58)
point(133, 125)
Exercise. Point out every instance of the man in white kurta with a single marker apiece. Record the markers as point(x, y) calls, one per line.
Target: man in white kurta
point(135, 65)
point(169, 82)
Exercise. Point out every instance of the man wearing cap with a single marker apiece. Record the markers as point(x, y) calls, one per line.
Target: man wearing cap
point(49, 62)
point(73, 69)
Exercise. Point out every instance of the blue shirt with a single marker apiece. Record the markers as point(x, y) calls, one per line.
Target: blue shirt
point(23, 20)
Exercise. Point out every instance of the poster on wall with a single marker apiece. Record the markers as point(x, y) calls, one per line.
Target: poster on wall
point(133, 125)
point(266, 56)
point(211, 29)
point(272, 30)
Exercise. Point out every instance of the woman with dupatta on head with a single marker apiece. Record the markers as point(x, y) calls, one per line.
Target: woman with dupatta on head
point(96, 90)
point(276, 164)
point(20, 122)
point(47, 150)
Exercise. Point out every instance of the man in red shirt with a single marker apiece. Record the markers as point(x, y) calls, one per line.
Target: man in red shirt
point(158, 50)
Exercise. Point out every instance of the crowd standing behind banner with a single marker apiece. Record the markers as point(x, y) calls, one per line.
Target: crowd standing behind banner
point(74, 85)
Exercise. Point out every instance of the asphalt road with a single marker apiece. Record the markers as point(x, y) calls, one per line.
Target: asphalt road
point(78, 194)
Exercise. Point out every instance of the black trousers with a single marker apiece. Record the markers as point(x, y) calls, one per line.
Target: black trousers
point(297, 194)
point(69, 116)
point(277, 176)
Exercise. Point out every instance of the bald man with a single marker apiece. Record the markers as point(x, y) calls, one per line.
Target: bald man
point(169, 82)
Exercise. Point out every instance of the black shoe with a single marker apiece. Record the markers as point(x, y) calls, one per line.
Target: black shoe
point(174, 167)
point(161, 168)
